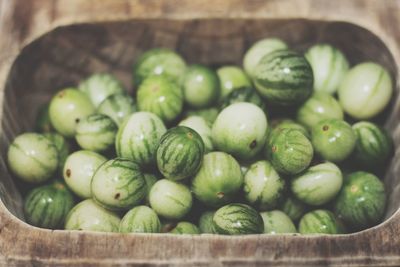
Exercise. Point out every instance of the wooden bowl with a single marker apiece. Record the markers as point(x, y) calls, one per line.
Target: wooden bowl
point(46, 45)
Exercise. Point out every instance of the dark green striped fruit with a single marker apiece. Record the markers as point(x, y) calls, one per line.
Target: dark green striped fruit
point(140, 219)
point(118, 184)
point(206, 222)
point(329, 66)
point(47, 206)
point(290, 124)
point(240, 130)
point(284, 78)
point(138, 138)
point(67, 108)
point(159, 61)
point(89, 216)
point(118, 107)
point(294, 208)
point(231, 78)
point(317, 185)
point(161, 96)
point(320, 222)
point(263, 187)
point(258, 50)
point(333, 139)
point(62, 146)
point(277, 222)
point(43, 123)
point(361, 202)
point(32, 157)
point(373, 146)
point(238, 219)
point(244, 94)
point(99, 86)
point(200, 86)
point(219, 179)
point(185, 228)
point(96, 133)
point(202, 127)
point(79, 169)
point(180, 153)
point(319, 107)
point(170, 199)
point(289, 151)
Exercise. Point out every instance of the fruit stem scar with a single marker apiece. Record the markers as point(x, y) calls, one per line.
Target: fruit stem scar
point(117, 195)
point(353, 188)
point(253, 144)
point(68, 172)
point(190, 135)
point(325, 128)
point(220, 194)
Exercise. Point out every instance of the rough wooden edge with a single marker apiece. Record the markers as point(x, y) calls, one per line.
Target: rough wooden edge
point(374, 15)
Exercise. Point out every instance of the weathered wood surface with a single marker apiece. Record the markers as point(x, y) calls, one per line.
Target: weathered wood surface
point(213, 32)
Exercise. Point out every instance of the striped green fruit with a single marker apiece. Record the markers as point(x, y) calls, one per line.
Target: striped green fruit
point(89, 216)
point(118, 107)
point(231, 78)
point(284, 78)
point(258, 50)
point(277, 222)
point(333, 139)
point(32, 157)
point(202, 127)
point(47, 206)
point(373, 146)
point(161, 96)
point(43, 123)
point(318, 185)
point(365, 91)
point(118, 184)
point(159, 61)
point(318, 107)
point(294, 208)
point(99, 86)
point(241, 130)
point(171, 200)
point(263, 187)
point(289, 151)
point(200, 86)
point(206, 222)
point(185, 228)
point(96, 133)
point(209, 114)
point(219, 179)
point(361, 202)
point(138, 138)
point(320, 222)
point(67, 108)
point(243, 94)
point(79, 169)
point(140, 219)
point(180, 153)
point(290, 124)
point(63, 148)
point(237, 219)
point(329, 66)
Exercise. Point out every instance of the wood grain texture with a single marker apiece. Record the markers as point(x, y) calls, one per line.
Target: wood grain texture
point(48, 44)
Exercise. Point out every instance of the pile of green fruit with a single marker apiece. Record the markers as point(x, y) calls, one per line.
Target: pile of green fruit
point(263, 149)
